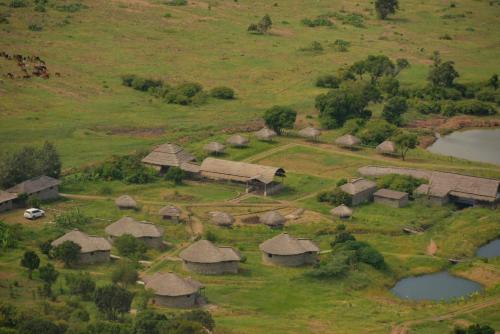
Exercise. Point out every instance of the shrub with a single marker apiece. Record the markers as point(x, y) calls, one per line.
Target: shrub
point(350, 18)
point(353, 126)
point(144, 84)
point(468, 107)
point(341, 46)
point(315, 46)
point(376, 131)
point(175, 175)
point(35, 27)
point(398, 182)
point(125, 274)
point(71, 8)
point(428, 107)
point(200, 316)
point(18, 4)
point(176, 2)
point(113, 300)
point(488, 94)
point(341, 182)
point(68, 252)
point(129, 246)
point(389, 85)
point(279, 118)
point(395, 107)
point(81, 284)
point(72, 219)
point(224, 93)
point(189, 89)
point(335, 197)
point(328, 81)
point(319, 21)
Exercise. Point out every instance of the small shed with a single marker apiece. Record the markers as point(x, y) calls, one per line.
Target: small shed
point(203, 257)
point(214, 148)
point(93, 249)
point(272, 219)
point(342, 211)
point(6, 200)
point(434, 194)
point(44, 188)
point(126, 202)
point(238, 141)
point(387, 147)
point(170, 212)
point(265, 134)
point(149, 233)
point(285, 250)
point(360, 189)
point(171, 290)
point(396, 199)
point(348, 141)
point(221, 218)
point(310, 133)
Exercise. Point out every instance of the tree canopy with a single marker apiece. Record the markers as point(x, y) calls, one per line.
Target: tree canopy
point(30, 261)
point(68, 252)
point(279, 118)
point(386, 7)
point(405, 141)
point(113, 300)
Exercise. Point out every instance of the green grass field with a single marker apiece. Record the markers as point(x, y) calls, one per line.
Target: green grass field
point(91, 116)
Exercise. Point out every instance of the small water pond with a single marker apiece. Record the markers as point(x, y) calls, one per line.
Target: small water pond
point(491, 249)
point(477, 145)
point(436, 286)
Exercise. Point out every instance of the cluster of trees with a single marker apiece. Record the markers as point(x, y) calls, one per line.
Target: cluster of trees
point(10, 235)
point(474, 329)
point(130, 247)
point(262, 27)
point(335, 197)
point(128, 168)
point(184, 94)
point(29, 162)
point(347, 254)
point(279, 118)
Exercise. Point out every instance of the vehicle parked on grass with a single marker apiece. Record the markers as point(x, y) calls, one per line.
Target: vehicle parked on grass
point(34, 213)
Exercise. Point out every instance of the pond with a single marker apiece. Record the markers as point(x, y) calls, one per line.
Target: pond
point(478, 145)
point(437, 286)
point(491, 249)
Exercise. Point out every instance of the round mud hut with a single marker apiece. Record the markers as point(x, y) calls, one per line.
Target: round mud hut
point(387, 147)
point(342, 211)
point(238, 141)
point(310, 133)
point(265, 134)
point(273, 219)
point(215, 148)
point(348, 141)
point(171, 290)
point(203, 257)
point(126, 202)
point(285, 250)
point(223, 219)
point(149, 233)
point(170, 212)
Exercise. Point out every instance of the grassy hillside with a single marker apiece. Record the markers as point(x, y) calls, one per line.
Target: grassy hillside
point(92, 47)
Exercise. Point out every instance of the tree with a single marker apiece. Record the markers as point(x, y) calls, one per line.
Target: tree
point(394, 109)
point(493, 81)
point(224, 93)
point(389, 85)
point(386, 7)
point(202, 317)
point(149, 322)
point(480, 329)
point(39, 326)
point(376, 65)
point(48, 274)
point(113, 300)
point(80, 283)
point(68, 252)
point(51, 162)
point(335, 197)
point(442, 74)
point(376, 131)
point(265, 24)
point(175, 175)
point(129, 246)
point(405, 141)
point(125, 274)
point(30, 261)
point(339, 105)
point(279, 118)
point(341, 238)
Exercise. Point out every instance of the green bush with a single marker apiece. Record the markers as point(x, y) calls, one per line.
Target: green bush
point(130, 247)
point(335, 197)
point(35, 27)
point(176, 2)
point(398, 182)
point(18, 4)
point(319, 21)
point(350, 18)
point(376, 131)
point(72, 219)
point(71, 7)
point(468, 107)
point(175, 175)
point(328, 81)
point(224, 93)
point(315, 46)
point(341, 46)
point(427, 108)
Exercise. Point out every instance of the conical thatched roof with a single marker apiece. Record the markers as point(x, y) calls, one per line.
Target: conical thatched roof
point(170, 284)
point(348, 141)
point(168, 155)
point(386, 147)
point(170, 210)
point(341, 211)
point(310, 132)
point(126, 202)
point(214, 147)
point(272, 218)
point(203, 251)
point(284, 244)
point(128, 225)
point(221, 218)
point(265, 134)
point(238, 140)
point(87, 243)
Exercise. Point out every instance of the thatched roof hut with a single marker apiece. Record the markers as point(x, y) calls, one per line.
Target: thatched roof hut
point(386, 147)
point(221, 218)
point(349, 141)
point(126, 202)
point(214, 148)
point(168, 155)
point(87, 243)
point(341, 211)
point(272, 219)
point(203, 251)
point(238, 141)
point(170, 212)
point(128, 225)
point(265, 134)
point(310, 133)
point(284, 244)
point(172, 285)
